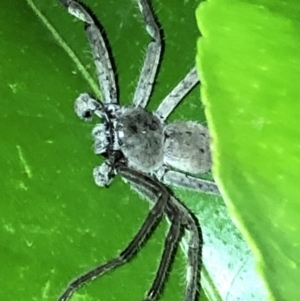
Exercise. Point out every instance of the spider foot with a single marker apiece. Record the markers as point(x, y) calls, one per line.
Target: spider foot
point(103, 174)
point(85, 106)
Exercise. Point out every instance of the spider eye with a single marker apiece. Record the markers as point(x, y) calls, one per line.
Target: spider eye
point(153, 126)
point(133, 128)
point(87, 114)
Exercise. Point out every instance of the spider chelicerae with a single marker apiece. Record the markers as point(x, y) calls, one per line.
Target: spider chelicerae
point(146, 152)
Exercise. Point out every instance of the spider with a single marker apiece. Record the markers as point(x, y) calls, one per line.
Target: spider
point(146, 152)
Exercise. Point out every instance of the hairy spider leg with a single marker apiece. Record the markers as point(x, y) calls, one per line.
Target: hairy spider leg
point(195, 243)
point(180, 179)
point(170, 102)
point(170, 247)
point(180, 218)
point(153, 54)
point(106, 76)
point(160, 196)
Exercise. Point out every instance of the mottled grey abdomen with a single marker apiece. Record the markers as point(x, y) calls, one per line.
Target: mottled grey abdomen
point(187, 147)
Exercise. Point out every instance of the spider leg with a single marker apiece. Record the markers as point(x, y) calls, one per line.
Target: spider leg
point(195, 242)
point(102, 60)
point(179, 217)
point(152, 189)
point(171, 245)
point(176, 178)
point(177, 94)
point(150, 66)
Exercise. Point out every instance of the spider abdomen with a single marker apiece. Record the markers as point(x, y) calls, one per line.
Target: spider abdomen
point(140, 137)
point(187, 147)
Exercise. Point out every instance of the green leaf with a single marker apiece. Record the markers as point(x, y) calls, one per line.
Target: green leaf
point(250, 69)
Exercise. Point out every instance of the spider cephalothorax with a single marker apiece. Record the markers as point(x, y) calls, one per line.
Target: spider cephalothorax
point(146, 152)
